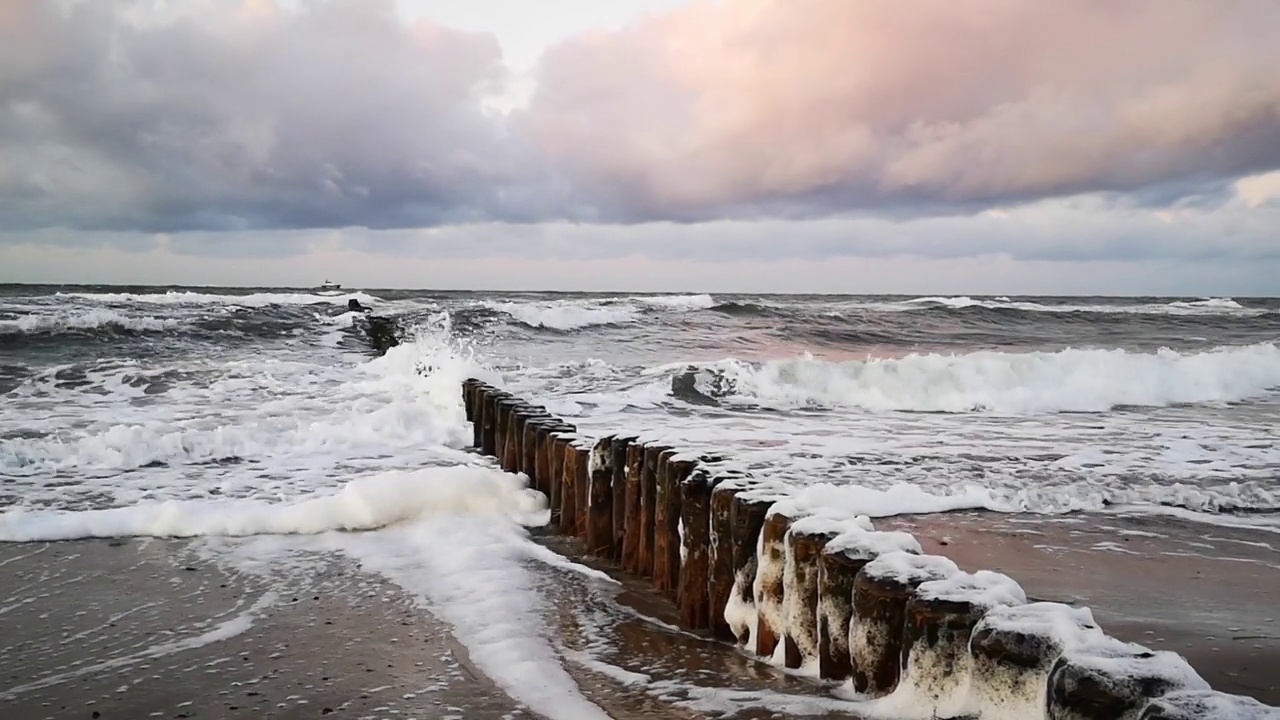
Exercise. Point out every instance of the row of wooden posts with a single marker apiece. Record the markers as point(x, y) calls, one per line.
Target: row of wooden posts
point(727, 550)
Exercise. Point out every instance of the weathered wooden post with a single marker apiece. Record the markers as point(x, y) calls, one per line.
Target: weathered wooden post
point(479, 394)
point(523, 415)
point(838, 567)
point(544, 436)
point(510, 438)
point(557, 444)
point(747, 512)
point(619, 484)
point(468, 398)
point(568, 516)
point(635, 526)
point(529, 449)
point(1115, 680)
point(694, 591)
point(1014, 647)
point(940, 617)
point(581, 487)
point(769, 588)
point(648, 506)
point(501, 412)
point(599, 532)
point(489, 439)
point(880, 594)
point(673, 468)
point(804, 544)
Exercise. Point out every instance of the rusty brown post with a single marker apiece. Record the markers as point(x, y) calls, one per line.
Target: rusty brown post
point(769, 589)
point(635, 526)
point(648, 506)
point(695, 564)
point(599, 532)
point(619, 483)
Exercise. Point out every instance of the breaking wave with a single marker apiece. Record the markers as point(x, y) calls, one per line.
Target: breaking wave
point(576, 314)
point(173, 297)
point(1066, 381)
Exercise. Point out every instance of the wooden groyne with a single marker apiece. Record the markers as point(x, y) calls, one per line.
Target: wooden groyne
point(827, 594)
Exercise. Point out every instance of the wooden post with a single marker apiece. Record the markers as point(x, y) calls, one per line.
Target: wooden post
point(489, 417)
point(940, 618)
point(1014, 647)
point(529, 449)
point(1113, 679)
point(510, 438)
point(769, 588)
point(542, 457)
point(747, 513)
point(468, 397)
point(564, 457)
point(672, 471)
point(695, 563)
point(838, 568)
point(803, 546)
point(581, 488)
point(478, 393)
point(635, 522)
point(619, 483)
point(599, 535)
point(648, 507)
point(880, 594)
point(503, 426)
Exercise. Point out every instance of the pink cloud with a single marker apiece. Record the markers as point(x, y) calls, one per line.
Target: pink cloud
point(859, 102)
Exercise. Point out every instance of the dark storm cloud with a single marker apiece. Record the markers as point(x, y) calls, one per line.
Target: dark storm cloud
point(237, 116)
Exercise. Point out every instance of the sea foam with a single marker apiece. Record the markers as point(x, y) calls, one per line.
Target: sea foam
point(364, 504)
point(1069, 380)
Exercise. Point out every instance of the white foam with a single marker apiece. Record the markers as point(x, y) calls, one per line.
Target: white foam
point(174, 297)
point(1018, 690)
point(837, 503)
point(364, 504)
point(1205, 306)
point(676, 302)
point(1017, 383)
point(69, 319)
point(566, 316)
point(471, 574)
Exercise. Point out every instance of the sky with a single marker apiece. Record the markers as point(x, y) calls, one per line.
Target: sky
point(939, 146)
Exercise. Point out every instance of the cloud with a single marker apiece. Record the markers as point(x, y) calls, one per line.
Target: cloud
point(212, 114)
point(811, 107)
point(237, 116)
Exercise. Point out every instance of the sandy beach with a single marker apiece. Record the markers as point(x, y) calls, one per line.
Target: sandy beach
point(1208, 592)
point(154, 628)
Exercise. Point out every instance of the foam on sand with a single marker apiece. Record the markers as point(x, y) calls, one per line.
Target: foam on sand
point(364, 504)
point(471, 573)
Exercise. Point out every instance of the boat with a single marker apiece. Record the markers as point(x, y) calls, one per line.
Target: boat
point(326, 285)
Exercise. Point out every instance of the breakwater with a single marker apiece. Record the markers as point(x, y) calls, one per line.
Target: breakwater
point(814, 587)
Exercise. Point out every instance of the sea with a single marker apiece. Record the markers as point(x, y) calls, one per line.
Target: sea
point(261, 413)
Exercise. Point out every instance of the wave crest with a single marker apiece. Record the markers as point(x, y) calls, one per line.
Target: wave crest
point(1065, 381)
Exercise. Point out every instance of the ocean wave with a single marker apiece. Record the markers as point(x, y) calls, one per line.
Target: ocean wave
point(1065, 381)
point(196, 298)
point(576, 314)
point(362, 504)
point(1205, 306)
point(93, 319)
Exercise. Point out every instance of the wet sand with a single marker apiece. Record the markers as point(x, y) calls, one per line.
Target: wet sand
point(141, 629)
point(148, 628)
point(1209, 593)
